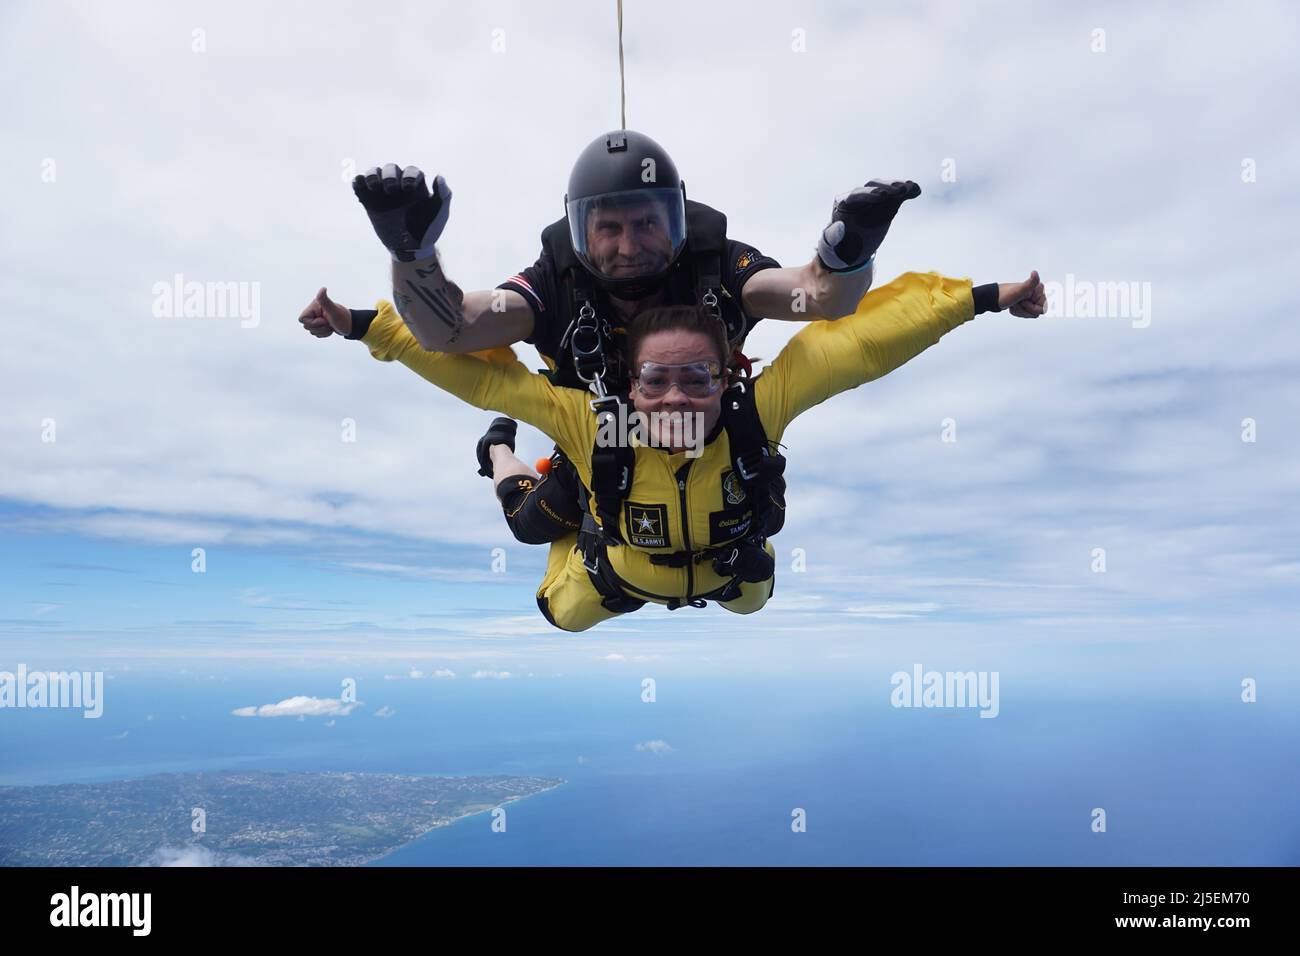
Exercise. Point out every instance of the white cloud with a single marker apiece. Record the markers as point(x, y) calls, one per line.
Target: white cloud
point(441, 673)
point(300, 706)
point(424, 572)
point(613, 657)
point(385, 711)
point(512, 626)
point(197, 855)
point(889, 612)
point(490, 675)
point(1059, 167)
point(657, 747)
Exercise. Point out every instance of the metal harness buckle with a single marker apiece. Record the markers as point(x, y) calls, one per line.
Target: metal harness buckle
point(586, 345)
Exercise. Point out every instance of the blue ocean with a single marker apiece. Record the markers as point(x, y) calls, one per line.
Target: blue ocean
point(713, 772)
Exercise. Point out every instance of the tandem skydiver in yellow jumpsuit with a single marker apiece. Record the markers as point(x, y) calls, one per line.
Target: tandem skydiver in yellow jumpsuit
point(893, 324)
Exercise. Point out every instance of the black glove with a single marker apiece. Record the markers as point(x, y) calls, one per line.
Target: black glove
point(748, 561)
point(407, 219)
point(859, 221)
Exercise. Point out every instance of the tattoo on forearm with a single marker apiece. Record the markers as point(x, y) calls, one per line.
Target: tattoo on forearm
point(446, 309)
point(456, 295)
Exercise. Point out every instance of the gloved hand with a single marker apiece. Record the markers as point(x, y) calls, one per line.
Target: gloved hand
point(748, 561)
point(859, 221)
point(407, 218)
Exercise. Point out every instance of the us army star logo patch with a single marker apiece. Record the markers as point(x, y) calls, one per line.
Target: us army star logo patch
point(647, 525)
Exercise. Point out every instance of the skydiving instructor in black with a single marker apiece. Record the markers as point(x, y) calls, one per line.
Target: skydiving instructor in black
point(630, 241)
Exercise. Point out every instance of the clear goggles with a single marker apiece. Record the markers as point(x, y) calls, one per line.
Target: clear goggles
point(632, 234)
point(695, 379)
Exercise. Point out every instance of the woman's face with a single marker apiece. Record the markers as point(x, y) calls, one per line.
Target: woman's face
point(676, 347)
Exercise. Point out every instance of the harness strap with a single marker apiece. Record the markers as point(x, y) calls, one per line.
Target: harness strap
point(679, 559)
point(755, 463)
point(619, 596)
point(612, 464)
point(577, 362)
point(603, 578)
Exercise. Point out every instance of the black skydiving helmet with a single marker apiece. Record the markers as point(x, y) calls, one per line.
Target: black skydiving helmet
point(626, 208)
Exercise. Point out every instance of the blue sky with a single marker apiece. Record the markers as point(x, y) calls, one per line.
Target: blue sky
point(136, 157)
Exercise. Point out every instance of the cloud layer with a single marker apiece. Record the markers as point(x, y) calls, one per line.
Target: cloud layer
point(230, 164)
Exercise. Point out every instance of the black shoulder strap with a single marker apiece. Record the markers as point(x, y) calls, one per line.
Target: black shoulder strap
point(576, 290)
point(706, 229)
point(753, 459)
point(556, 241)
point(612, 463)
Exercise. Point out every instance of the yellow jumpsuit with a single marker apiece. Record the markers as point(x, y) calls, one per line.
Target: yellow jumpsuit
point(678, 503)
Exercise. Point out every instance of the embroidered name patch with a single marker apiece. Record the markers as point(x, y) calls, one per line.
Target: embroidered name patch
point(726, 526)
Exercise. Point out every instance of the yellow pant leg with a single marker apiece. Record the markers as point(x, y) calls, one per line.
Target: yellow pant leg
point(567, 597)
point(753, 595)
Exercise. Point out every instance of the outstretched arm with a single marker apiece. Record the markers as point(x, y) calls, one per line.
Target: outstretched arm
point(443, 319)
point(489, 379)
point(832, 284)
point(486, 324)
point(804, 293)
point(892, 325)
point(409, 218)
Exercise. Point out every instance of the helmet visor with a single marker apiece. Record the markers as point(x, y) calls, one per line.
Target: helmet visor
point(634, 234)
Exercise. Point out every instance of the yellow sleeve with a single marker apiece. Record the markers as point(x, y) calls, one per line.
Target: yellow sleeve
point(893, 324)
point(491, 379)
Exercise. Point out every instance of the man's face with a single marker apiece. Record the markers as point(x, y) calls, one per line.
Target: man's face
point(625, 242)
